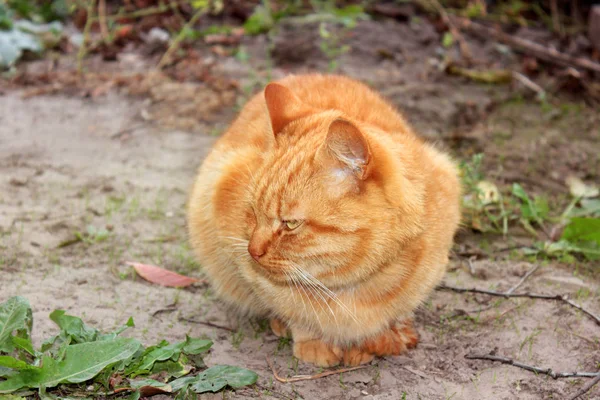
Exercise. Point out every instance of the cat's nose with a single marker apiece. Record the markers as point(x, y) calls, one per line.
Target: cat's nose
point(256, 252)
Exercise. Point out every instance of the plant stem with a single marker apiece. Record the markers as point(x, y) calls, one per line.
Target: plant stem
point(175, 44)
point(86, 35)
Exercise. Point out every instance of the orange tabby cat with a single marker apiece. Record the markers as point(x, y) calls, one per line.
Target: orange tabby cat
point(322, 210)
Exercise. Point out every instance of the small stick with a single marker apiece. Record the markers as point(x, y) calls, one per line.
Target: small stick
point(537, 370)
point(586, 387)
point(102, 19)
point(86, 36)
point(547, 54)
point(527, 275)
point(470, 263)
point(175, 44)
point(555, 17)
point(309, 377)
point(195, 321)
point(529, 295)
point(462, 44)
point(529, 84)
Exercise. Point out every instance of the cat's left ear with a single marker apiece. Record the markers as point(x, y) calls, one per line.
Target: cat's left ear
point(347, 145)
point(284, 106)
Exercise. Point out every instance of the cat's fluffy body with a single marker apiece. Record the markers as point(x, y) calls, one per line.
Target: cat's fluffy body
point(373, 208)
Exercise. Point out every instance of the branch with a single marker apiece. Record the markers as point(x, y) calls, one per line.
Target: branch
point(195, 321)
point(539, 51)
point(528, 295)
point(462, 44)
point(102, 19)
point(175, 44)
point(586, 387)
point(527, 275)
point(86, 37)
point(541, 93)
point(537, 370)
point(308, 377)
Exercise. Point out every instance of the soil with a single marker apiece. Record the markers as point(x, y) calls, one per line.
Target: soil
point(116, 168)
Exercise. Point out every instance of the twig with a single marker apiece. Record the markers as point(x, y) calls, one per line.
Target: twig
point(539, 51)
point(175, 43)
point(586, 387)
point(102, 19)
point(555, 17)
point(462, 44)
point(142, 12)
point(527, 275)
point(541, 93)
point(86, 35)
point(195, 321)
point(471, 267)
point(529, 295)
point(309, 377)
point(169, 308)
point(537, 370)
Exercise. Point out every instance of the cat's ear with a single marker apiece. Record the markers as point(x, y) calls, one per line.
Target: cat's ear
point(284, 106)
point(346, 144)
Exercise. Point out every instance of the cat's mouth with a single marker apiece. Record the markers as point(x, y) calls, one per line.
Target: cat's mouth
point(275, 273)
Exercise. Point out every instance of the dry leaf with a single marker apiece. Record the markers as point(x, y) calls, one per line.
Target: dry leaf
point(488, 192)
point(579, 189)
point(162, 276)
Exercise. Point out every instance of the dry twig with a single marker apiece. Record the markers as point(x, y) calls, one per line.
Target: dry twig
point(528, 295)
point(537, 50)
point(541, 93)
point(462, 44)
point(309, 377)
point(102, 19)
point(175, 43)
point(195, 321)
point(586, 387)
point(537, 370)
point(527, 275)
point(86, 37)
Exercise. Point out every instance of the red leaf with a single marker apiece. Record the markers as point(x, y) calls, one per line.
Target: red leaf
point(162, 276)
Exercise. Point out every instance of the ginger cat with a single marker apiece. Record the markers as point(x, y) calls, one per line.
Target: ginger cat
point(322, 210)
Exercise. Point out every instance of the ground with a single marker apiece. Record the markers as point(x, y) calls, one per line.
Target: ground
point(116, 169)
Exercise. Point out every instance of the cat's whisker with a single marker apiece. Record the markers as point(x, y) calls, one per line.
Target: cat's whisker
point(234, 238)
point(305, 315)
point(317, 291)
point(328, 292)
point(303, 288)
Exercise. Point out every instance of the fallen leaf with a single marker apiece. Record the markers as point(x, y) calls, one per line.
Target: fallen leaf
point(216, 378)
point(579, 189)
point(488, 192)
point(162, 276)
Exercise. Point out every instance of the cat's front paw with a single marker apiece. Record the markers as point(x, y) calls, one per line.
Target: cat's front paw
point(318, 352)
point(394, 341)
point(354, 356)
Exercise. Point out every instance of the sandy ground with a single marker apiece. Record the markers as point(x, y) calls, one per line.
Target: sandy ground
point(71, 165)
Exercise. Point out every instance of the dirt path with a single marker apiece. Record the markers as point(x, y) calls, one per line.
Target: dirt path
point(64, 170)
point(71, 166)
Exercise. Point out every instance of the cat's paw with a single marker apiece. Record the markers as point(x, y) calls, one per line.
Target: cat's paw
point(318, 353)
point(394, 341)
point(280, 329)
point(354, 356)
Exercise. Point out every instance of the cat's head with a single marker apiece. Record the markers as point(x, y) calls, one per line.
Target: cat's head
point(324, 201)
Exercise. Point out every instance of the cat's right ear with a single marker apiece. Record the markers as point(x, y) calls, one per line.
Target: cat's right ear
point(284, 106)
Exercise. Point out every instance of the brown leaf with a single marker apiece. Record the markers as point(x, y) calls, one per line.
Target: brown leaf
point(147, 391)
point(162, 276)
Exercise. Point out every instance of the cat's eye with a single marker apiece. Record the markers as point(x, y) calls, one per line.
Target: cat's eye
point(292, 224)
